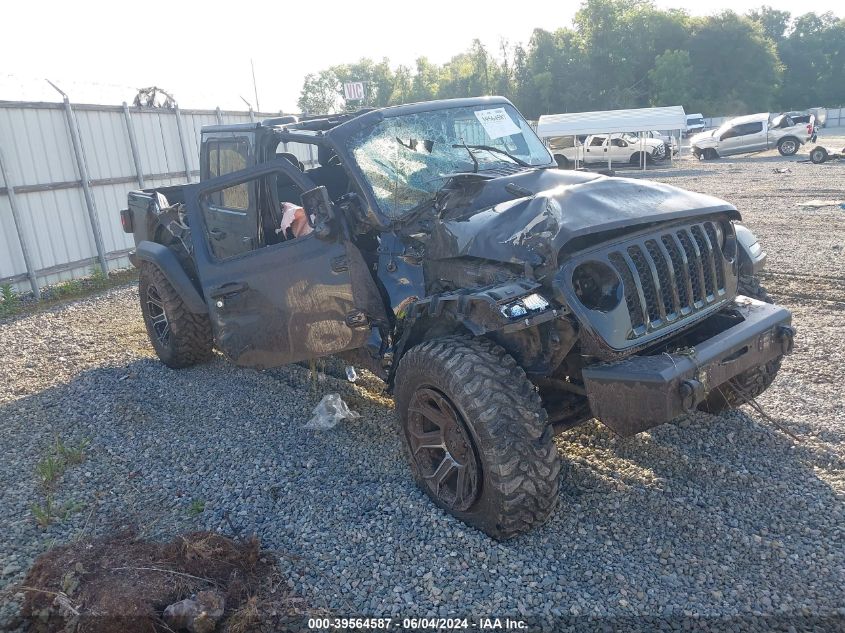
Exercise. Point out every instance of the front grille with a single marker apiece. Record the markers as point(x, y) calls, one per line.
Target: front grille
point(670, 276)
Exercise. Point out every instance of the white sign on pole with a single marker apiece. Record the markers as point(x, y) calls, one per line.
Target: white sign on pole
point(354, 91)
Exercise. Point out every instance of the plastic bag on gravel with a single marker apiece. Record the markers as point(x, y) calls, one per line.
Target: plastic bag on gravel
point(329, 412)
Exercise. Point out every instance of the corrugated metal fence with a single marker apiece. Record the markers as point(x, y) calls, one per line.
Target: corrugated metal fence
point(65, 172)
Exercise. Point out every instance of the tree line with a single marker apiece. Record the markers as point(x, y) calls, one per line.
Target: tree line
point(623, 54)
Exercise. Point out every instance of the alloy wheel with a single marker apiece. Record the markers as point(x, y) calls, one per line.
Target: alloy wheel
point(157, 316)
point(442, 449)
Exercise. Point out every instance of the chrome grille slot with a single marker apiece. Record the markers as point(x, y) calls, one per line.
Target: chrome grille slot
point(706, 250)
point(665, 275)
point(719, 259)
point(635, 307)
point(670, 276)
point(649, 282)
point(681, 269)
point(696, 270)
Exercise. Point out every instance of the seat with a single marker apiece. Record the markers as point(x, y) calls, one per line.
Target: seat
point(330, 173)
point(292, 159)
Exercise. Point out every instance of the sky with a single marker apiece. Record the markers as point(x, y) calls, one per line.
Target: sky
point(103, 51)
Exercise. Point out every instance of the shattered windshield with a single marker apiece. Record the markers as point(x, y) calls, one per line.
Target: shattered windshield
point(407, 159)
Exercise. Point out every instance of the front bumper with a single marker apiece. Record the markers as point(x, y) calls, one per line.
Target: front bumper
point(641, 392)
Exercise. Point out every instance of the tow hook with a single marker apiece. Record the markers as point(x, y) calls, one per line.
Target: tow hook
point(692, 394)
point(786, 334)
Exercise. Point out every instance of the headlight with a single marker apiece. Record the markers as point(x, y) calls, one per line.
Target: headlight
point(597, 286)
point(521, 307)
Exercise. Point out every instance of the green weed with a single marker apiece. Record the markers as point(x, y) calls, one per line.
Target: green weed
point(9, 300)
point(70, 288)
point(196, 508)
point(72, 455)
point(98, 278)
point(49, 470)
point(47, 511)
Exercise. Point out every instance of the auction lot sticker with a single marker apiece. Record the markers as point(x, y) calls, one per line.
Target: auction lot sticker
point(497, 123)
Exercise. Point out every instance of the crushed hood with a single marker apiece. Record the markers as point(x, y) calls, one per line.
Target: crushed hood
point(491, 222)
point(701, 136)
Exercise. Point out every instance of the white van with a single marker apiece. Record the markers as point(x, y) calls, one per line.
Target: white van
point(695, 123)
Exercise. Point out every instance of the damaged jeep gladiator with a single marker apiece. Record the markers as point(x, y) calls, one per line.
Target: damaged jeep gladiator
point(501, 299)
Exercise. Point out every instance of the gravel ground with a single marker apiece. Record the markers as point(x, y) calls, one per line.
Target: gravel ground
point(719, 520)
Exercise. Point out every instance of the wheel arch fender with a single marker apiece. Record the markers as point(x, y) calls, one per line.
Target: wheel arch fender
point(417, 330)
point(752, 257)
point(166, 261)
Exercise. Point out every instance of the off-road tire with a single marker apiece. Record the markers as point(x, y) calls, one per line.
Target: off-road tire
point(508, 428)
point(788, 146)
point(190, 340)
point(818, 155)
point(751, 382)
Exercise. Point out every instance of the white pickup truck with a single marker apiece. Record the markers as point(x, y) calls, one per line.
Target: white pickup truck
point(604, 148)
point(753, 133)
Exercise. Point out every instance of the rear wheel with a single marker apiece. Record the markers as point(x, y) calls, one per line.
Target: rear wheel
point(476, 435)
point(752, 382)
point(180, 337)
point(818, 155)
point(562, 162)
point(788, 146)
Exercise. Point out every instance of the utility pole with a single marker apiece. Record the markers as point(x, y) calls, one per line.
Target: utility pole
point(254, 86)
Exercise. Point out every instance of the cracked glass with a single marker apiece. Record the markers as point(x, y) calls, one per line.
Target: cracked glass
point(406, 159)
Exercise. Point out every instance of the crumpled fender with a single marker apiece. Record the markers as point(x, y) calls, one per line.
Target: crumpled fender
point(752, 257)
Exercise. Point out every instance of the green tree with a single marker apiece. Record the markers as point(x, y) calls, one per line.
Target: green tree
point(671, 79)
point(402, 86)
point(621, 39)
point(773, 22)
point(426, 82)
point(321, 93)
point(736, 66)
point(624, 53)
point(814, 56)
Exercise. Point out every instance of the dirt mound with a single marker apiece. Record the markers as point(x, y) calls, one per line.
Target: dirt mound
point(122, 584)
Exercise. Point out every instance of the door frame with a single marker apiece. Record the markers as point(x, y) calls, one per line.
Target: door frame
point(256, 312)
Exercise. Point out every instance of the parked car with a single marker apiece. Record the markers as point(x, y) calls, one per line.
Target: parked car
point(695, 124)
point(501, 299)
point(601, 148)
point(753, 133)
point(669, 142)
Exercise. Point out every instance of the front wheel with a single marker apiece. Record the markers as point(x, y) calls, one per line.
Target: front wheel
point(476, 435)
point(752, 382)
point(818, 155)
point(180, 337)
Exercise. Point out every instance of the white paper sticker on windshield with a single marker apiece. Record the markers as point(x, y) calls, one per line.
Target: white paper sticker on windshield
point(497, 123)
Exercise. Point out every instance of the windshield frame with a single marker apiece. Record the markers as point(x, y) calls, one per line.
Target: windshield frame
point(341, 136)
